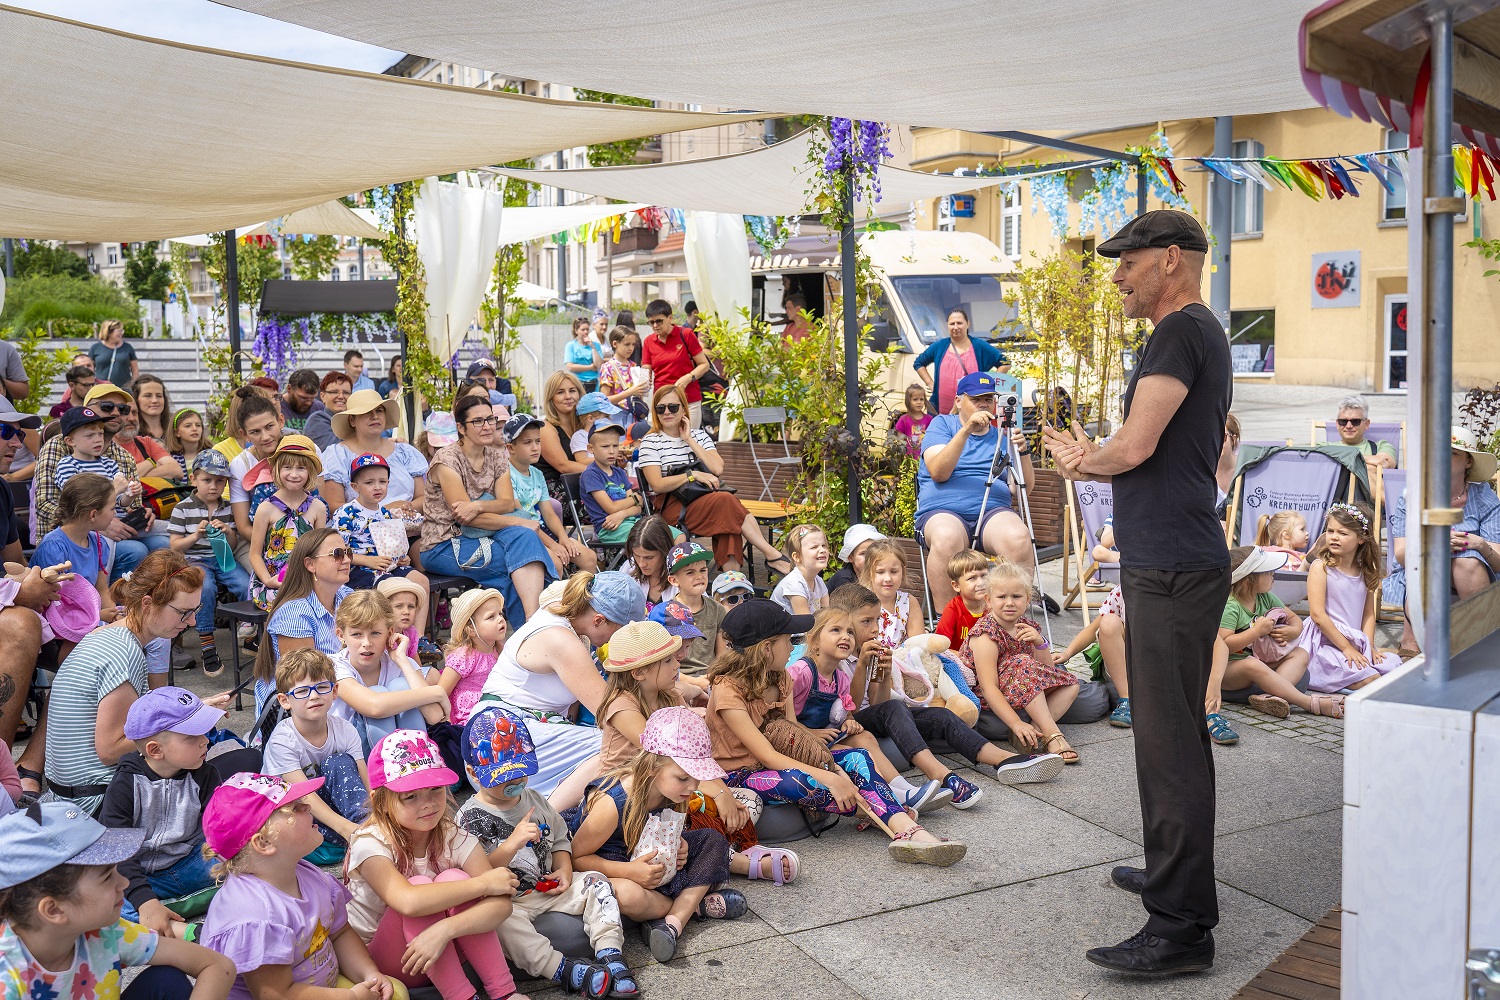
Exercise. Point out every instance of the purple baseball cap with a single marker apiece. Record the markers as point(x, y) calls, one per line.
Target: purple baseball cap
point(170, 710)
point(675, 617)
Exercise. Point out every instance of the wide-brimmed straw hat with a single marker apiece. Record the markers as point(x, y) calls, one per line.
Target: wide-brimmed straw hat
point(1483, 469)
point(360, 403)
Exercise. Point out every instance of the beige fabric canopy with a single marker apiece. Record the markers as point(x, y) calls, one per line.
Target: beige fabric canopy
point(769, 181)
point(1001, 64)
point(113, 137)
point(332, 218)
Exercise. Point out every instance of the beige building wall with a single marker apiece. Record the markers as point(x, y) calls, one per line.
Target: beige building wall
point(1273, 269)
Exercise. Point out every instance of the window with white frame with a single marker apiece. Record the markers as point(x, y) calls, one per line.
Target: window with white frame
point(1249, 197)
point(334, 275)
point(353, 272)
point(1393, 203)
point(114, 254)
point(1010, 221)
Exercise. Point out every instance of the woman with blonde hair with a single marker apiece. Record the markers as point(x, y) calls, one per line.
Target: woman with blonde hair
point(560, 398)
point(114, 359)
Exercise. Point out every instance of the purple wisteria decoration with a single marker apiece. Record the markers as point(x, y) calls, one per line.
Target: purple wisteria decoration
point(280, 340)
point(858, 146)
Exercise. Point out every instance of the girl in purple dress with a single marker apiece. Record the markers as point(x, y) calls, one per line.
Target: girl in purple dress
point(1341, 586)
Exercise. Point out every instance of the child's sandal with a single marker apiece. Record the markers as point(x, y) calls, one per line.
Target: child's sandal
point(785, 865)
point(1069, 756)
point(1328, 705)
point(661, 938)
point(724, 904)
point(1275, 707)
point(622, 980)
point(941, 854)
point(590, 979)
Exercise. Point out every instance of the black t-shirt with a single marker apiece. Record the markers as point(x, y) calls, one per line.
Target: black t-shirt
point(10, 531)
point(1164, 507)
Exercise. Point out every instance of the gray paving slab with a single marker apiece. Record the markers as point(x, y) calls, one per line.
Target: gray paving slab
point(1026, 942)
point(1294, 864)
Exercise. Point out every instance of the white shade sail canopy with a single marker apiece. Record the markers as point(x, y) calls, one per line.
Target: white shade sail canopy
point(332, 218)
point(1005, 64)
point(113, 137)
point(522, 225)
point(768, 181)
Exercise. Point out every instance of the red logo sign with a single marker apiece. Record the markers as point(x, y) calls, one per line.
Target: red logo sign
point(1333, 279)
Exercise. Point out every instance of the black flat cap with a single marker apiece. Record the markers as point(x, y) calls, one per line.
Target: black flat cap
point(1162, 228)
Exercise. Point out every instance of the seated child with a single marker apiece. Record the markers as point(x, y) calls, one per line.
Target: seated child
point(1342, 584)
point(423, 894)
point(612, 503)
point(161, 786)
point(281, 920)
point(379, 686)
point(802, 591)
point(1105, 552)
point(528, 488)
point(311, 742)
point(522, 832)
point(409, 602)
point(85, 507)
point(201, 526)
point(83, 432)
point(1285, 531)
point(968, 573)
point(369, 479)
point(675, 756)
point(687, 569)
point(478, 633)
point(857, 542)
point(60, 934)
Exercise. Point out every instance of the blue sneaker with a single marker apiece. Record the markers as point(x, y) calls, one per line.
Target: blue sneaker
point(1120, 717)
point(929, 797)
point(966, 795)
point(1219, 730)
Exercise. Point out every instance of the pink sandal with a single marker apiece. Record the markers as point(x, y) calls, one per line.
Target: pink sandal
point(1273, 706)
point(782, 861)
point(1328, 705)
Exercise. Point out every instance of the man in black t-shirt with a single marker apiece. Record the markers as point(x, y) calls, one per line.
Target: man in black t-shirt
point(1174, 572)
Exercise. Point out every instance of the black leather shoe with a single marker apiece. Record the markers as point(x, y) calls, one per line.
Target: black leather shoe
point(1148, 955)
point(1130, 879)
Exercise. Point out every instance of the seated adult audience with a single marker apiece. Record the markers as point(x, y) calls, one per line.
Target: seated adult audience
point(333, 393)
point(13, 381)
point(153, 407)
point(361, 431)
point(953, 357)
point(1229, 458)
point(682, 467)
point(560, 398)
point(469, 533)
point(106, 672)
point(354, 367)
point(131, 546)
point(390, 386)
point(20, 440)
point(957, 452)
point(22, 597)
point(152, 460)
point(233, 441)
point(300, 400)
point(544, 673)
point(250, 482)
point(80, 379)
point(485, 371)
point(1353, 421)
point(675, 357)
point(301, 616)
point(1476, 538)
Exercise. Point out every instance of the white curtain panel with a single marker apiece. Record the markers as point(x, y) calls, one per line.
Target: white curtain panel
point(458, 228)
point(718, 262)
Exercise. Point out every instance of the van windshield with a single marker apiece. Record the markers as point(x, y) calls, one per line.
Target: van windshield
point(928, 298)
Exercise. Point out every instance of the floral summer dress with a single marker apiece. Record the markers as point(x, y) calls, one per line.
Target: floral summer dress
point(1022, 675)
point(893, 624)
point(280, 537)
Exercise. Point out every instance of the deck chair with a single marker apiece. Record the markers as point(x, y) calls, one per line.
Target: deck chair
point(764, 416)
point(1089, 504)
point(1395, 433)
point(1391, 483)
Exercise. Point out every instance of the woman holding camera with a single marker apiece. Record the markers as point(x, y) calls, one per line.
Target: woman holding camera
point(682, 468)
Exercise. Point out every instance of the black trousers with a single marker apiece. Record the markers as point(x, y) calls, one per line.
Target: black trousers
point(1168, 657)
point(914, 729)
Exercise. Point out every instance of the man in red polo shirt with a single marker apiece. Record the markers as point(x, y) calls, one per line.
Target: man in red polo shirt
point(675, 357)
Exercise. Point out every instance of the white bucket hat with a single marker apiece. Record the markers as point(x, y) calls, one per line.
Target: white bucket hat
point(1483, 469)
point(856, 536)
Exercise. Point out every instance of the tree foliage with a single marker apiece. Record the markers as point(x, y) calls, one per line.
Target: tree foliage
point(40, 300)
point(147, 276)
point(312, 257)
point(620, 152)
point(38, 259)
point(257, 263)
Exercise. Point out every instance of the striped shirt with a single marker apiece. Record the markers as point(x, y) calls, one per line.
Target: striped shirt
point(669, 452)
point(69, 466)
point(188, 514)
point(45, 487)
point(103, 660)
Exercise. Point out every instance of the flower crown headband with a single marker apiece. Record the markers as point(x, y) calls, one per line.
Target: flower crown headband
point(1352, 511)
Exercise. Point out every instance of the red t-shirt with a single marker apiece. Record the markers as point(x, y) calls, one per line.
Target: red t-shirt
point(144, 448)
point(673, 359)
point(956, 622)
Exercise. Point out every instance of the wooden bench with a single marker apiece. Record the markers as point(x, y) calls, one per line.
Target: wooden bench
point(740, 472)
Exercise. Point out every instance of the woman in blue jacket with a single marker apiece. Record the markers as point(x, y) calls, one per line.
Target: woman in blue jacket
point(954, 357)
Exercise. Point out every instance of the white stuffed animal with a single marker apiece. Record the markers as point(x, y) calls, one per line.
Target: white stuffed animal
point(922, 681)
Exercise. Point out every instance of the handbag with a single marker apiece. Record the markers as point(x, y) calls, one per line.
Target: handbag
point(688, 492)
point(662, 833)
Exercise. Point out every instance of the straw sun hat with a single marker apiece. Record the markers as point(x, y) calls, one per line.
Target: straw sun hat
point(640, 644)
point(360, 403)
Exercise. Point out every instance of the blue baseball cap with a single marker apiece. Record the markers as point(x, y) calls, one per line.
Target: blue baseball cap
point(606, 424)
point(497, 746)
point(44, 835)
point(597, 402)
point(617, 597)
point(977, 384)
point(169, 710)
point(211, 462)
point(675, 617)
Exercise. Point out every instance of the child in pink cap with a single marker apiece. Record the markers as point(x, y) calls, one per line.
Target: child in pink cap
point(280, 919)
point(423, 894)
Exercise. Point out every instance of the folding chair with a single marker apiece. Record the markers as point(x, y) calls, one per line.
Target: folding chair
point(765, 416)
point(1089, 504)
point(611, 556)
point(1393, 433)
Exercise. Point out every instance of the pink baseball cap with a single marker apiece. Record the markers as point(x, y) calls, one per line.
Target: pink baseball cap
point(240, 807)
point(681, 733)
point(75, 613)
point(406, 760)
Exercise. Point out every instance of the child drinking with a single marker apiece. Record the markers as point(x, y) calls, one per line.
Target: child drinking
point(675, 756)
point(478, 633)
point(1284, 531)
point(748, 686)
point(380, 689)
point(884, 572)
point(201, 527)
point(912, 424)
point(523, 433)
point(185, 438)
point(286, 514)
point(803, 592)
point(281, 920)
point(369, 479)
point(313, 743)
point(61, 935)
point(613, 505)
point(85, 507)
point(423, 894)
point(522, 832)
point(1341, 588)
point(968, 573)
point(1014, 668)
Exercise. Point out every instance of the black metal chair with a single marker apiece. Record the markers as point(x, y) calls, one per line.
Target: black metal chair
point(241, 611)
point(610, 555)
point(441, 584)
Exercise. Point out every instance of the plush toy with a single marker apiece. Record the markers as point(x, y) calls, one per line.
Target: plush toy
point(929, 677)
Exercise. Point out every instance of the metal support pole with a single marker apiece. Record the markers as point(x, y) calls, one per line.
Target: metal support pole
point(232, 298)
point(851, 342)
point(1439, 207)
point(361, 260)
point(10, 257)
point(562, 248)
point(1221, 222)
point(1140, 190)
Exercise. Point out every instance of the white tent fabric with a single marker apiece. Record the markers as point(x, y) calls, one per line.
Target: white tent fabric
point(332, 218)
point(109, 136)
point(522, 225)
point(1006, 64)
point(530, 291)
point(458, 226)
point(768, 181)
point(718, 262)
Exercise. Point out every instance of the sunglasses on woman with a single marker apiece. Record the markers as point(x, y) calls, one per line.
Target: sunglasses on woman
point(302, 692)
point(338, 555)
point(665, 408)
